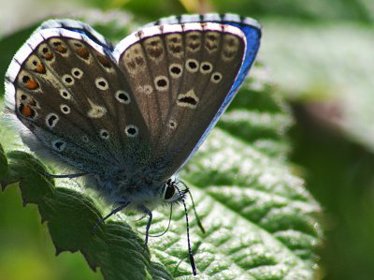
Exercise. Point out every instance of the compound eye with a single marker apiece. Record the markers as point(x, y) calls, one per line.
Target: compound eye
point(169, 192)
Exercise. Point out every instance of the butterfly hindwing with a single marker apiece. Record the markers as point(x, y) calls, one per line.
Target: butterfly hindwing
point(79, 27)
point(72, 96)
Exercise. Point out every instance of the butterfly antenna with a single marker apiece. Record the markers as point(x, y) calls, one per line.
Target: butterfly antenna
point(190, 254)
point(167, 228)
point(68, 176)
point(197, 217)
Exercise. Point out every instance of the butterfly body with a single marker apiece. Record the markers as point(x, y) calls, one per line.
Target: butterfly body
point(131, 115)
point(140, 188)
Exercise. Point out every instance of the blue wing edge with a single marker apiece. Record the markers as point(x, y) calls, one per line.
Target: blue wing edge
point(252, 32)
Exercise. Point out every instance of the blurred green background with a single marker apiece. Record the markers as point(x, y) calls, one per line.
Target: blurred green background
point(320, 56)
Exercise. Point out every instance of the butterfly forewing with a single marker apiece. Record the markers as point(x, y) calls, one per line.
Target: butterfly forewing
point(73, 97)
point(138, 111)
point(180, 76)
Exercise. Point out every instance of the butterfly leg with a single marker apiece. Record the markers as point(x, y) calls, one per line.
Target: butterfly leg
point(141, 218)
point(149, 213)
point(67, 176)
point(122, 206)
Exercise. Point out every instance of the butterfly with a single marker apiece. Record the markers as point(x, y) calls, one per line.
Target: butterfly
point(130, 116)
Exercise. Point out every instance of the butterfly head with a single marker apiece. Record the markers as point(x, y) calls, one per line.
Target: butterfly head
point(172, 191)
point(140, 191)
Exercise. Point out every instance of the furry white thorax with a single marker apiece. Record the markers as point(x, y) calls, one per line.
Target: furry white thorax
point(139, 194)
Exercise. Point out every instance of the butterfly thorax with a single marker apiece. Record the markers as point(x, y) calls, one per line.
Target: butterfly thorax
point(139, 189)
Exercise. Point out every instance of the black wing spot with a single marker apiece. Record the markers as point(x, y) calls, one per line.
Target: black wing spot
point(131, 130)
point(188, 99)
point(52, 120)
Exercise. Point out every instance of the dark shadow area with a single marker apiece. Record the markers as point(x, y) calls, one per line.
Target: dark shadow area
point(340, 175)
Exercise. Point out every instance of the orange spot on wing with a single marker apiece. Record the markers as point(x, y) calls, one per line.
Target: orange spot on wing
point(26, 111)
point(48, 56)
point(104, 61)
point(40, 68)
point(31, 84)
point(83, 52)
point(45, 52)
point(61, 49)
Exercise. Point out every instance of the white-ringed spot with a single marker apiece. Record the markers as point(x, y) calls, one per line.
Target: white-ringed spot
point(85, 138)
point(192, 65)
point(51, 120)
point(131, 130)
point(58, 145)
point(161, 83)
point(206, 67)
point(101, 83)
point(65, 94)
point(68, 80)
point(77, 73)
point(172, 124)
point(216, 77)
point(175, 70)
point(65, 109)
point(123, 97)
point(104, 134)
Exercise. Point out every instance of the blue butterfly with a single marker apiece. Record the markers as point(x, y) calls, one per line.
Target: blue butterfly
point(130, 116)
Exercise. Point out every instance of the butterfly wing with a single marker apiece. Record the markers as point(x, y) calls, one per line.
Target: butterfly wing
point(184, 72)
point(79, 27)
point(64, 87)
point(172, 83)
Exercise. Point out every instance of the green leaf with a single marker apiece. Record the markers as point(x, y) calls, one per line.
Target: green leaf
point(326, 70)
point(260, 221)
point(318, 10)
point(72, 218)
